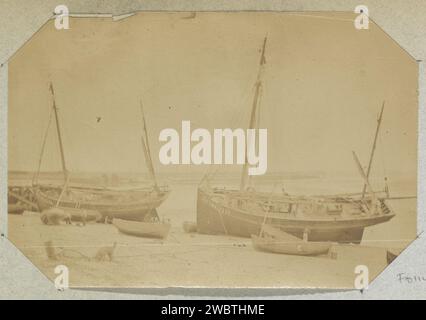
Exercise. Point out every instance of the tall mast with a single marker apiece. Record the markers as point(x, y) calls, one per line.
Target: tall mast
point(379, 121)
point(255, 105)
point(147, 151)
point(37, 174)
point(58, 129)
point(367, 183)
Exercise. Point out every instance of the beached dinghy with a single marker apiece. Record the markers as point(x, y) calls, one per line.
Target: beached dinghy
point(143, 229)
point(276, 241)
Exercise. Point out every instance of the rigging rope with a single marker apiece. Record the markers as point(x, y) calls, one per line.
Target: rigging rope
point(382, 154)
point(238, 118)
point(43, 145)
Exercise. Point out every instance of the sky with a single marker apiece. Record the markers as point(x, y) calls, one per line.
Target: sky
point(323, 87)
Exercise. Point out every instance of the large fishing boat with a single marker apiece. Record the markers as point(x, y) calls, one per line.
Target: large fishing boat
point(129, 203)
point(337, 218)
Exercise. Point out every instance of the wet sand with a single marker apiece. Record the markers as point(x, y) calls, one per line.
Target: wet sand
point(183, 260)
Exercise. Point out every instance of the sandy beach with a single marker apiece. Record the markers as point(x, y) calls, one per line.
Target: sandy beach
point(197, 260)
point(183, 260)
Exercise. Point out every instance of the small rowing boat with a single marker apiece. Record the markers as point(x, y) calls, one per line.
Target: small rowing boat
point(143, 229)
point(276, 241)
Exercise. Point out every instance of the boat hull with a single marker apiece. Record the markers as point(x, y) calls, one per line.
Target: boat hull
point(299, 248)
point(135, 210)
point(216, 218)
point(142, 229)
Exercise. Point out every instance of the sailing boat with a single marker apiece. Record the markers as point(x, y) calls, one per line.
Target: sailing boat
point(336, 218)
point(133, 203)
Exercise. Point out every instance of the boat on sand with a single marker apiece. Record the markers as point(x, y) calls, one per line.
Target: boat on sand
point(132, 203)
point(143, 229)
point(276, 241)
point(338, 218)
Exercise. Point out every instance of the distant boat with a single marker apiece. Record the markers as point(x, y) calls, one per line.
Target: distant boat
point(143, 229)
point(337, 218)
point(131, 203)
point(284, 243)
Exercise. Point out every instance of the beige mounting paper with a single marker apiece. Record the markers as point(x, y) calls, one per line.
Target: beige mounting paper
point(89, 191)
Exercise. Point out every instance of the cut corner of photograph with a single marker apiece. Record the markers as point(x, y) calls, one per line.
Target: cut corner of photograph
point(198, 149)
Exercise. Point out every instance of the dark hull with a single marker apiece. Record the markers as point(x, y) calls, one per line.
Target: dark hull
point(214, 218)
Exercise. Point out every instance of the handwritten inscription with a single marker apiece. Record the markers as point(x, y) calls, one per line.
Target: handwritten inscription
point(410, 279)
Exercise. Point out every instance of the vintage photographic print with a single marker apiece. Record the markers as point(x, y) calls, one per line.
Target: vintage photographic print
point(212, 149)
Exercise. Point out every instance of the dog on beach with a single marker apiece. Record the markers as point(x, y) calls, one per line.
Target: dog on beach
point(106, 252)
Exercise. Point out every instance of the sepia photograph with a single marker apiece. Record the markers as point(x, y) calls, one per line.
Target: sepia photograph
point(212, 150)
